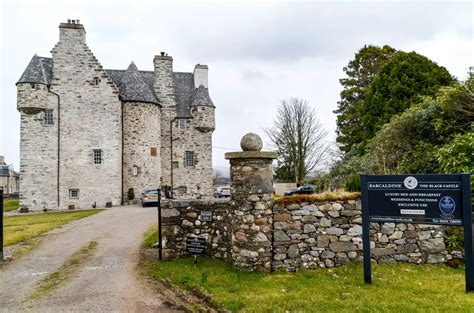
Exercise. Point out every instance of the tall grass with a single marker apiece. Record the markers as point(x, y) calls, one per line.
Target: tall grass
point(319, 197)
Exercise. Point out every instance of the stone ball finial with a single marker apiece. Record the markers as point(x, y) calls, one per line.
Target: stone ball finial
point(251, 142)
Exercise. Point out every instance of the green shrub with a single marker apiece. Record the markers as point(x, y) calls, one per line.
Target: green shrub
point(353, 184)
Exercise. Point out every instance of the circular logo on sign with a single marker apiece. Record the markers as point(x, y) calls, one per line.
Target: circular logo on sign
point(410, 182)
point(447, 206)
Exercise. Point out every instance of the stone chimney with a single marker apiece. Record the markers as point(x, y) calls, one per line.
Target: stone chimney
point(200, 75)
point(73, 30)
point(2, 159)
point(164, 80)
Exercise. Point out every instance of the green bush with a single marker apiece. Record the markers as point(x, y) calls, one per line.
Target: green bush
point(353, 184)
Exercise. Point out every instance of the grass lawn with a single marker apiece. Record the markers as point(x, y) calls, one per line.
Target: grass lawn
point(10, 204)
point(151, 237)
point(23, 227)
point(395, 287)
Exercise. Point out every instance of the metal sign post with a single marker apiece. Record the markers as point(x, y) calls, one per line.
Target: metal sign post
point(160, 244)
point(1, 225)
point(366, 232)
point(443, 199)
point(468, 241)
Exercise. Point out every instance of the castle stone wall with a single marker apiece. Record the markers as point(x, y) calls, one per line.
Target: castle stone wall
point(197, 178)
point(203, 119)
point(38, 148)
point(141, 132)
point(164, 88)
point(90, 117)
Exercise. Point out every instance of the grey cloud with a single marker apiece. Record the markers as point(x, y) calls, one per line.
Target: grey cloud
point(275, 32)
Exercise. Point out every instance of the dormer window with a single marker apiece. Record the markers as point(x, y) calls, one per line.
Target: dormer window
point(33, 86)
point(96, 81)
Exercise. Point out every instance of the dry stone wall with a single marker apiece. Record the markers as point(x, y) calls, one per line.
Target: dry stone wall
point(330, 234)
point(182, 219)
point(254, 233)
point(319, 235)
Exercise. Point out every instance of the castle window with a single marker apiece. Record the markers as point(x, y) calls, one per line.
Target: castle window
point(96, 81)
point(182, 190)
point(33, 86)
point(175, 164)
point(48, 117)
point(97, 156)
point(135, 170)
point(183, 123)
point(153, 152)
point(73, 193)
point(189, 158)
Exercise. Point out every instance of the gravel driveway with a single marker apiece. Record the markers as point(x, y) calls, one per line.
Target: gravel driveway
point(107, 282)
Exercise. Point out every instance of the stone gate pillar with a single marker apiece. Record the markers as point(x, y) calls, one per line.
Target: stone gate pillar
point(251, 177)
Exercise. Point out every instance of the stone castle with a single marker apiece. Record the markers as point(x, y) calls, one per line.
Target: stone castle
point(89, 135)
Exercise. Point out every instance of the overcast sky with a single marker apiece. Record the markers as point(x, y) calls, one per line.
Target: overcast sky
point(257, 54)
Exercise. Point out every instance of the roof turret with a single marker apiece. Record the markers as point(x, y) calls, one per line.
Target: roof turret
point(201, 97)
point(39, 70)
point(133, 87)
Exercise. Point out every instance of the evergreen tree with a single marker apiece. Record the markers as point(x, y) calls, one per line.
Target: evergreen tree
point(402, 81)
point(360, 73)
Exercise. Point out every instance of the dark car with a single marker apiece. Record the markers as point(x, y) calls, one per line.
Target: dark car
point(308, 189)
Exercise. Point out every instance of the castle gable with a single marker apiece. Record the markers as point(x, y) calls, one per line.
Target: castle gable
point(39, 70)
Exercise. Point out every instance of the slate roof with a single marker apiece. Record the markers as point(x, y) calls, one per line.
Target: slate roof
point(4, 170)
point(39, 70)
point(201, 97)
point(184, 86)
point(133, 84)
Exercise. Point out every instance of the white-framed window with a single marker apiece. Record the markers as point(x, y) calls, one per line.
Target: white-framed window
point(182, 190)
point(48, 118)
point(183, 123)
point(33, 86)
point(73, 193)
point(189, 159)
point(135, 170)
point(97, 156)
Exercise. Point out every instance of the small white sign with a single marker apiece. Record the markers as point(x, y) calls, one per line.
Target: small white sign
point(412, 212)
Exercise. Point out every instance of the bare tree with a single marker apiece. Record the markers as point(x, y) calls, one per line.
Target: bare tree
point(298, 137)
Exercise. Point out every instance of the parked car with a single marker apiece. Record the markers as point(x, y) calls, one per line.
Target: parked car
point(150, 197)
point(302, 190)
point(222, 192)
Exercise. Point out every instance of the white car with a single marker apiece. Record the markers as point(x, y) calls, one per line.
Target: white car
point(222, 192)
